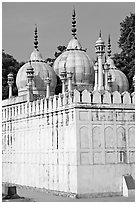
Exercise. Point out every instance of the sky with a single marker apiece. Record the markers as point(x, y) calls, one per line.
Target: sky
point(54, 19)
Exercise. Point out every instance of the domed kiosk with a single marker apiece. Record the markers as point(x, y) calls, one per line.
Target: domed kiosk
point(75, 60)
point(119, 81)
point(41, 71)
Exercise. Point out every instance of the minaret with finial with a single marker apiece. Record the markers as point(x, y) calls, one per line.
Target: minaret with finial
point(74, 23)
point(100, 50)
point(36, 38)
point(109, 47)
point(30, 77)
point(10, 83)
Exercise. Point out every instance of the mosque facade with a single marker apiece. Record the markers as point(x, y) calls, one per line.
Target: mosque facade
point(80, 141)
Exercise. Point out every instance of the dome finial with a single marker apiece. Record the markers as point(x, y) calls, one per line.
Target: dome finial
point(109, 46)
point(100, 33)
point(74, 23)
point(35, 38)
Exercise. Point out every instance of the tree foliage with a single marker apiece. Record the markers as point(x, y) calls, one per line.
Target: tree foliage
point(60, 50)
point(125, 60)
point(9, 64)
point(50, 61)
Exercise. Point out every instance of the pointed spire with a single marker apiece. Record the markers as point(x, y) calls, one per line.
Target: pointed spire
point(109, 46)
point(35, 38)
point(74, 23)
point(100, 33)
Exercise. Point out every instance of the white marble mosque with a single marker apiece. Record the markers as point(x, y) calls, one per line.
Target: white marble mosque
point(80, 141)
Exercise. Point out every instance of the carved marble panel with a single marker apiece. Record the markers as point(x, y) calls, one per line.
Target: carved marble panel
point(84, 139)
point(84, 158)
point(109, 137)
point(110, 157)
point(102, 115)
point(121, 137)
point(132, 157)
point(84, 115)
point(131, 137)
point(97, 137)
point(98, 158)
point(120, 116)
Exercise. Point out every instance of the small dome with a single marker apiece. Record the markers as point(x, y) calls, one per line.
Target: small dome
point(119, 79)
point(75, 60)
point(41, 71)
point(99, 41)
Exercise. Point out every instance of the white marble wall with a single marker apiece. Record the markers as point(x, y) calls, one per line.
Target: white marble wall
point(106, 148)
point(42, 151)
point(79, 143)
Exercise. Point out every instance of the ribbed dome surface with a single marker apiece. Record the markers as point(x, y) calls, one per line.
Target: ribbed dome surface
point(41, 71)
point(75, 60)
point(119, 79)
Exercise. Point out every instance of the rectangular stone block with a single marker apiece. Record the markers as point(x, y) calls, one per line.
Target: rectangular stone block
point(110, 157)
point(84, 158)
point(73, 179)
point(61, 177)
point(84, 115)
point(84, 137)
point(98, 158)
point(132, 156)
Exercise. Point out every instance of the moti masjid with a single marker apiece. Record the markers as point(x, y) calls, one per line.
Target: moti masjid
point(71, 129)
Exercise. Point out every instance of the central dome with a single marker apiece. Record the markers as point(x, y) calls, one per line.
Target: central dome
point(74, 59)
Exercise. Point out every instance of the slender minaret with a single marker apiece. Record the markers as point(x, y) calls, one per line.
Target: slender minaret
point(63, 78)
point(30, 76)
point(10, 83)
point(109, 47)
point(48, 81)
point(74, 23)
point(96, 75)
point(100, 50)
point(106, 68)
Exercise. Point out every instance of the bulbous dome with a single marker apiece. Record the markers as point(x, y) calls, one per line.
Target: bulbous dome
point(75, 60)
point(41, 71)
point(119, 79)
